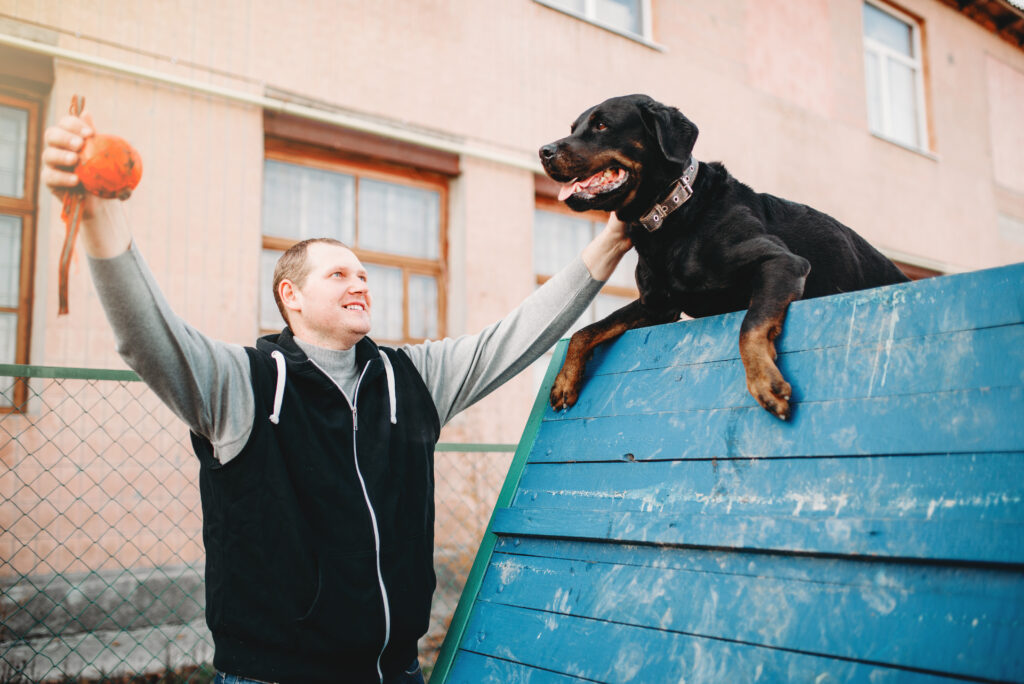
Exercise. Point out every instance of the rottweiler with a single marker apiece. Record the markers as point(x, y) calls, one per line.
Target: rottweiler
point(707, 244)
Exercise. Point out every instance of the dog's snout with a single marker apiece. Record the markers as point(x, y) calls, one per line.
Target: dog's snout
point(548, 151)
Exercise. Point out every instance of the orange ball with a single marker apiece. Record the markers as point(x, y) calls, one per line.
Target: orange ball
point(109, 167)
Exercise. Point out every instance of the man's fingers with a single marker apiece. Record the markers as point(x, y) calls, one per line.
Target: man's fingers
point(53, 156)
point(57, 136)
point(79, 125)
point(58, 180)
point(69, 134)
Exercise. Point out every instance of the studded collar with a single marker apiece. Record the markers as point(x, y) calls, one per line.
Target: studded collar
point(680, 191)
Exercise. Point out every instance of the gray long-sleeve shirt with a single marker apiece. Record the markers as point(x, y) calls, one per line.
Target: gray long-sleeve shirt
point(207, 383)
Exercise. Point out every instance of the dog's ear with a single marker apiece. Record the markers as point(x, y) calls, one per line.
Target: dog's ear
point(676, 135)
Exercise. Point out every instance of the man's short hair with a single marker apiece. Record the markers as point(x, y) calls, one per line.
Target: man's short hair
point(294, 266)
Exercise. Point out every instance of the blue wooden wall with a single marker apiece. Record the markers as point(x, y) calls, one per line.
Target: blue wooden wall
point(667, 529)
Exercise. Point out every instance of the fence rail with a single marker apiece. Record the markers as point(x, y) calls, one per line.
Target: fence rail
point(101, 556)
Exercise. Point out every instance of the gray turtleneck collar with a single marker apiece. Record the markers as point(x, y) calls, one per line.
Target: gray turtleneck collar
point(340, 364)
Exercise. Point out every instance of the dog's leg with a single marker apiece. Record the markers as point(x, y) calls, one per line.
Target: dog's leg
point(566, 388)
point(778, 281)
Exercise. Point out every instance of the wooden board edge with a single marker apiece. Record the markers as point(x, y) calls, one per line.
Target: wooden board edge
point(460, 618)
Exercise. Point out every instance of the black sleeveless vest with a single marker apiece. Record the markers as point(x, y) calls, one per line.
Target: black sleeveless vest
point(319, 535)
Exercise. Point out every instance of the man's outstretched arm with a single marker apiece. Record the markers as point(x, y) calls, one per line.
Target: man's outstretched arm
point(204, 381)
point(459, 372)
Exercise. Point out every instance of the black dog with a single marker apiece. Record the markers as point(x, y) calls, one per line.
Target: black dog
point(707, 243)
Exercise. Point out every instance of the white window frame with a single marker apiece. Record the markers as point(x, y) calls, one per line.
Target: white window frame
point(916, 64)
point(589, 15)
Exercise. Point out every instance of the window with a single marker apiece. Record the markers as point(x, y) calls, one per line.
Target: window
point(392, 220)
point(19, 126)
point(559, 237)
point(628, 17)
point(893, 73)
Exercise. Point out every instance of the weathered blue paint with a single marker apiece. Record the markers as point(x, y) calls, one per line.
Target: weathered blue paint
point(667, 529)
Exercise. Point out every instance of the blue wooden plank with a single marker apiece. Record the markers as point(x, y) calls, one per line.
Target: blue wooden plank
point(936, 305)
point(956, 540)
point(782, 565)
point(962, 421)
point(948, 620)
point(599, 651)
point(473, 668)
point(993, 357)
point(938, 487)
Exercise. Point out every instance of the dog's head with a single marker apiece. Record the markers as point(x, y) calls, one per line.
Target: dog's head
point(620, 155)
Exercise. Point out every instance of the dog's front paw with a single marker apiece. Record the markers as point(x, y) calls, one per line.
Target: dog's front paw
point(565, 391)
point(771, 391)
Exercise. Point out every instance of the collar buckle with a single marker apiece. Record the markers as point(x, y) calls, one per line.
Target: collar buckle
point(680, 191)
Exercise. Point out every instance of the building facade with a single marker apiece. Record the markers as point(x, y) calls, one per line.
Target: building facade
point(904, 121)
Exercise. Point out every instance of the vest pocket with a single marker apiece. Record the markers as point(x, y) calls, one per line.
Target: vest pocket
point(409, 574)
point(348, 607)
point(316, 594)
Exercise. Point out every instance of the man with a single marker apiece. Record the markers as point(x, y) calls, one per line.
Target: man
point(316, 446)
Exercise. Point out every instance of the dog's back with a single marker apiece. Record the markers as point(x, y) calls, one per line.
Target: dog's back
point(841, 260)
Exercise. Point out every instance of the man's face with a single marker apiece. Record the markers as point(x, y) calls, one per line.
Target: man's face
point(334, 301)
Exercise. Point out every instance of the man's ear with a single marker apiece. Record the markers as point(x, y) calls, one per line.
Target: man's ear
point(676, 135)
point(290, 295)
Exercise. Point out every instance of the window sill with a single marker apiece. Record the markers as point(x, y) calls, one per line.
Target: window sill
point(909, 148)
point(607, 27)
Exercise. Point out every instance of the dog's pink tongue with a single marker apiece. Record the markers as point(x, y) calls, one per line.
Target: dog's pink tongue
point(568, 190)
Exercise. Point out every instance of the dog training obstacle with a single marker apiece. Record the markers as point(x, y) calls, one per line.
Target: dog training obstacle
point(667, 529)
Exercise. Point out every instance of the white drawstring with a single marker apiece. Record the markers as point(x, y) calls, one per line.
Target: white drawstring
point(390, 372)
point(279, 391)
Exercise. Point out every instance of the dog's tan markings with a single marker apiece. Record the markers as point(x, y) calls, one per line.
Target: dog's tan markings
point(761, 325)
point(764, 381)
point(565, 391)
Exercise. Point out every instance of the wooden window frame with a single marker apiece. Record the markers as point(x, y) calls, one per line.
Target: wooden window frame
point(26, 208)
point(916, 272)
point(313, 156)
point(544, 202)
point(917, 64)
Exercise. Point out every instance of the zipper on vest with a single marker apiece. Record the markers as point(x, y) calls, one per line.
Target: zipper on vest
point(369, 506)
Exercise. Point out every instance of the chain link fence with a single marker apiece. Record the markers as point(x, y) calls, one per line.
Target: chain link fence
point(101, 555)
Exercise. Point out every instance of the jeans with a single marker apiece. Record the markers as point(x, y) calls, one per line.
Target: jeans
point(412, 675)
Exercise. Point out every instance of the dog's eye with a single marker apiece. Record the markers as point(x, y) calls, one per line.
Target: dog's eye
point(600, 126)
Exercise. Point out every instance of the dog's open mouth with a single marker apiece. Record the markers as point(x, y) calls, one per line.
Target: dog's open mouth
point(598, 184)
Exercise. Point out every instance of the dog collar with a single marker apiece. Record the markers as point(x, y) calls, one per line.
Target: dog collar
point(680, 191)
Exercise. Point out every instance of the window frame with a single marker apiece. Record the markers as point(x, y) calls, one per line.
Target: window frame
point(310, 156)
point(917, 65)
point(589, 15)
point(26, 208)
point(544, 203)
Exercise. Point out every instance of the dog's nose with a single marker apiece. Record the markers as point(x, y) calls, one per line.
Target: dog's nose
point(548, 151)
